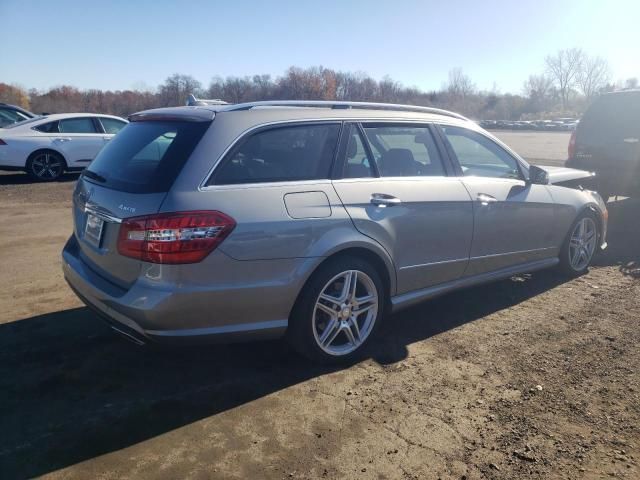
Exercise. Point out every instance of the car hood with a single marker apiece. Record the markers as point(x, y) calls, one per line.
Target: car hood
point(564, 174)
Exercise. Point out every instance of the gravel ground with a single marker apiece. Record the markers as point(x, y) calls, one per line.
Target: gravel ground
point(533, 377)
point(545, 148)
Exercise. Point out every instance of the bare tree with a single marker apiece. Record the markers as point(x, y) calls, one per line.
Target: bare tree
point(538, 87)
point(593, 76)
point(176, 88)
point(460, 84)
point(563, 68)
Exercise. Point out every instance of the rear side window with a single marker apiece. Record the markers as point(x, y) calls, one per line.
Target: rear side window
point(111, 125)
point(146, 157)
point(612, 116)
point(77, 125)
point(404, 151)
point(301, 152)
point(49, 127)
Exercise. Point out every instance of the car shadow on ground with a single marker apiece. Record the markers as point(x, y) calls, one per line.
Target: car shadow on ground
point(21, 178)
point(72, 390)
point(623, 237)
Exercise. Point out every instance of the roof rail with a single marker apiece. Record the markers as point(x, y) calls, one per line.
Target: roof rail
point(342, 105)
point(193, 101)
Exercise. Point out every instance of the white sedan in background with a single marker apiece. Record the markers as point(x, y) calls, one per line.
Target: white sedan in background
point(45, 147)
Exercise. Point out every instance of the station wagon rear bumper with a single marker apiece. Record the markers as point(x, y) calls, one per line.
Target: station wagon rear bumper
point(224, 312)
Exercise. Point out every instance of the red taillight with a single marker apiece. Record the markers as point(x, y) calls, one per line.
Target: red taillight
point(180, 237)
point(2, 142)
point(572, 144)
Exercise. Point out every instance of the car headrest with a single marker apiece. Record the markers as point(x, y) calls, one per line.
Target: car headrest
point(398, 162)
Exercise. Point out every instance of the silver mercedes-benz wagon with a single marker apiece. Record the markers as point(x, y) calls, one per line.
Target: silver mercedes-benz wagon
point(310, 220)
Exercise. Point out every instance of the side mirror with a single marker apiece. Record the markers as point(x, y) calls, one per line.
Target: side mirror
point(538, 176)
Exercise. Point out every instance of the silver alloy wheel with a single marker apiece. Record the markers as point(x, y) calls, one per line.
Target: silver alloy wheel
point(46, 166)
point(345, 312)
point(582, 244)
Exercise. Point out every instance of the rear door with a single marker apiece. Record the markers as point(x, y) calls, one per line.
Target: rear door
point(513, 219)
point(79, 140)
point(608, 141)
point(130, 177)
point(396, 187)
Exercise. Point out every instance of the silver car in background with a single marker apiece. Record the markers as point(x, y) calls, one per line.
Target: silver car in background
point(310, 220)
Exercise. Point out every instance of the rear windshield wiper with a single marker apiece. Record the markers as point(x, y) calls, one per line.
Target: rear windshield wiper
point(94, 176)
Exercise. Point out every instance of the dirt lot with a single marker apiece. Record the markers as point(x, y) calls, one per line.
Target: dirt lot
point(548, 148)
point(534, 377)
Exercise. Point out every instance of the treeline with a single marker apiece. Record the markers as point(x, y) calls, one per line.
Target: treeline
point(570, 81)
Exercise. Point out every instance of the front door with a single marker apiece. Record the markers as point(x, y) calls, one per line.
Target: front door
point(395, 186)
point(513, 218)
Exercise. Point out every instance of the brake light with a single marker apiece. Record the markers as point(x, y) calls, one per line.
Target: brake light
point(172, 238)
point(572, 144)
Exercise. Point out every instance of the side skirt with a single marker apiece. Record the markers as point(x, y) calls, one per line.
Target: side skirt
point(411, 298)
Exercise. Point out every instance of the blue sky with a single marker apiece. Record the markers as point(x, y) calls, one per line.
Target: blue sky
point(120, 44)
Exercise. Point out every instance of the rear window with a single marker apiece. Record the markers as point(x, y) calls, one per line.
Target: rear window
point(301, 152)
point(612, 116)
point(146, 157)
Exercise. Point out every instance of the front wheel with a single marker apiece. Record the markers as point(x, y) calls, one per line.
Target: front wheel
point(580, 245)
point(338, 311)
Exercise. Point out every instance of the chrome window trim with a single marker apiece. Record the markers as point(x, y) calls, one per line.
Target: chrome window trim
point(203, 187)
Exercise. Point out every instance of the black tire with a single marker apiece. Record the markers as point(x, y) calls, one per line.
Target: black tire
point(304, 319)
point(45, 166)
point(566, 266)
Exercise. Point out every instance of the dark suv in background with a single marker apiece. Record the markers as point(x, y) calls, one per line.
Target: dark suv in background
point(607, 141)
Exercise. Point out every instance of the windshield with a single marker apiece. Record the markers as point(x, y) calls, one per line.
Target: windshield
point(146, 157)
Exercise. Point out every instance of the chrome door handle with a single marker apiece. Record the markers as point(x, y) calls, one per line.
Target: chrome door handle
point(485, 199)
point(631, 140)
point(62, 140)
point(383, 200)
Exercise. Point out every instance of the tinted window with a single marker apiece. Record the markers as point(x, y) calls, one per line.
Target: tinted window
point(302, 152)
point(480, 156)
point(146, 157)
point(357, 163)
point(404, 151)
point(8, 117)
point(111, 125)
point(50, 127)
point(77, 125)
point(612, 116)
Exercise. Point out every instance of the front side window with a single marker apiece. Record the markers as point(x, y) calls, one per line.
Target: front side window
point(77, 125)
point(111, 125)
point(301, 152)
point(479, 156)
point(404, 151)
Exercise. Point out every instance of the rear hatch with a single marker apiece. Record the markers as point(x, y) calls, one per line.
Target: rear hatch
point(130, 177)
point(608, 137)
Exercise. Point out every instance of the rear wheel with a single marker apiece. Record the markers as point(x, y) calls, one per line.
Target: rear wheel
point(580, 246)
point(45, 166)
point(338, 311)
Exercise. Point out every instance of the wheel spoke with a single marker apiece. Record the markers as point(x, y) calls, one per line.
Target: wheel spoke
point(326, 309)
point(350, 336)
point(575, 257)
point(354, 327)
point(346, 286)
point(328, 298)
point(360, 311)
point(330, 333)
